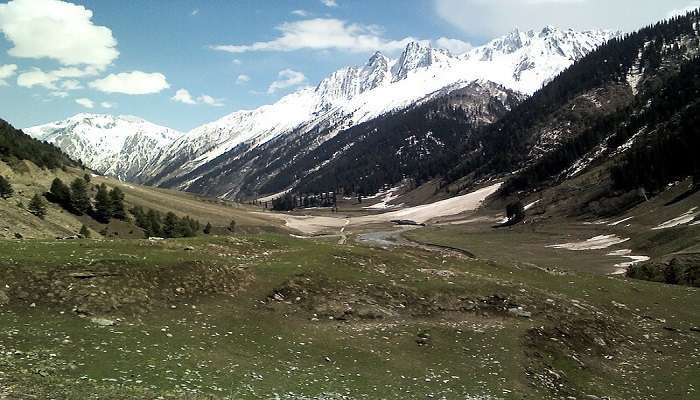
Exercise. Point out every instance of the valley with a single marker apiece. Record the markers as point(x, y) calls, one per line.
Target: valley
point(282, 309)
point(514, 219)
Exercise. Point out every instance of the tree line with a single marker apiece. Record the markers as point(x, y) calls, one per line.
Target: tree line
point(75, 198)
point(15, 145)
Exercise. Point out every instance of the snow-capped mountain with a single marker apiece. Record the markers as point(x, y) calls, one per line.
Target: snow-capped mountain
point(520, 61)
point(119, 146)
point(133, 149)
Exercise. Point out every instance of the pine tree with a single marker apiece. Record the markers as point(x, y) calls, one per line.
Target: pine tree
point(37, 206)
point(80, 201)
point(207, 228)
point(140, 218)
point(60, 193)
point(170, 225)
point(154, 226)
point(87, 178)
point(6, 190)
point(84, 232)
point(117, 199)
point(232, 225)
point(103, 204)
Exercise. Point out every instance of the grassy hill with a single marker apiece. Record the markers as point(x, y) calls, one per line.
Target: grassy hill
point(30, 179)
point(270, 316)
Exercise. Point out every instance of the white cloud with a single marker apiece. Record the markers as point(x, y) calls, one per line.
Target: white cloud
point(50, 80)
point(60, 94)
point(73, 72)
point(37, 77)
point(488, 18)
point(183, 96)
point(56, 30)
point(237, 61)
point(87, 103)
point(134, 83)
point(684, 10)
point(194, 12)
point(301, 13)
point(330, 3)
point(210, 101)
point(242, 78)
point(322, 34)
point(455, 46)
point(71, 84)
point(106, 104)
point(7, 71)
point(287, 78)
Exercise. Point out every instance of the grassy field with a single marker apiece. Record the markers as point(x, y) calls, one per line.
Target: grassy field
point(270, 316)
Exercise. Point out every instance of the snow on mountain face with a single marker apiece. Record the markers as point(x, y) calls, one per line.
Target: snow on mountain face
point(527, 60)
point(521, 61)
point(118, 146)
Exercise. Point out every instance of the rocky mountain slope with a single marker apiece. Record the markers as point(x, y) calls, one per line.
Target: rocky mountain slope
point(119, 146)
point(520, 62)
point(624, 111)
point(216, 155)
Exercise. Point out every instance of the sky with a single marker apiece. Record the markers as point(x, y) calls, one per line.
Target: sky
point(182, 63)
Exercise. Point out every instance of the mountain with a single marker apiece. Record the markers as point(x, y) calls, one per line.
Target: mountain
point(119, 146)
point(616, 128)
point(519, 62)
point(250, 151)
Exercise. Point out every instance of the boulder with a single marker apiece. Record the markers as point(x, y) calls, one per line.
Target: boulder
point(4, 298)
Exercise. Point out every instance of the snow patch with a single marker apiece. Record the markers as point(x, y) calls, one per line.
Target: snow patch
point(620, 221)
point(594, 243)
point(387, 196)
point(529, 206)
point(626, 253)
point(685, 218)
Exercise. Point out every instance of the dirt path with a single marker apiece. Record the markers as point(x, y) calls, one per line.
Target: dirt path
point(395, 238)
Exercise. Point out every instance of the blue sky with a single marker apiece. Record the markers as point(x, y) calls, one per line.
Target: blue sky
point(183, 63)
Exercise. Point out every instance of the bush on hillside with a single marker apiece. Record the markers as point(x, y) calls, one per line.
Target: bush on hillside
point(6, 190)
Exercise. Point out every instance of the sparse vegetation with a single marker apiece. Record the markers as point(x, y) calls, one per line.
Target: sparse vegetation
point(37, 206)
point(6, 190)
point(84, 231)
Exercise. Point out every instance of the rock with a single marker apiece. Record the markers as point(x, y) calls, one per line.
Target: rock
point(180, 290)
point(327, 359)
point(424, 339)
point(102, 321)
point(519, 312)
point(4, 298)
point(189, 248)
point(278, 297)
point(18, 235)
point(695, 329)
point(670, 328)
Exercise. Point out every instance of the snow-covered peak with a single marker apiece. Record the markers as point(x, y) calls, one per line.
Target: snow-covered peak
point(548, 42)
point(520, 61)
point(349, 82)
point(418, 55)
point(113, 145)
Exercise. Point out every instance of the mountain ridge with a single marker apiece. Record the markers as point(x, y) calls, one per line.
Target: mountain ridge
point(520, 61)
